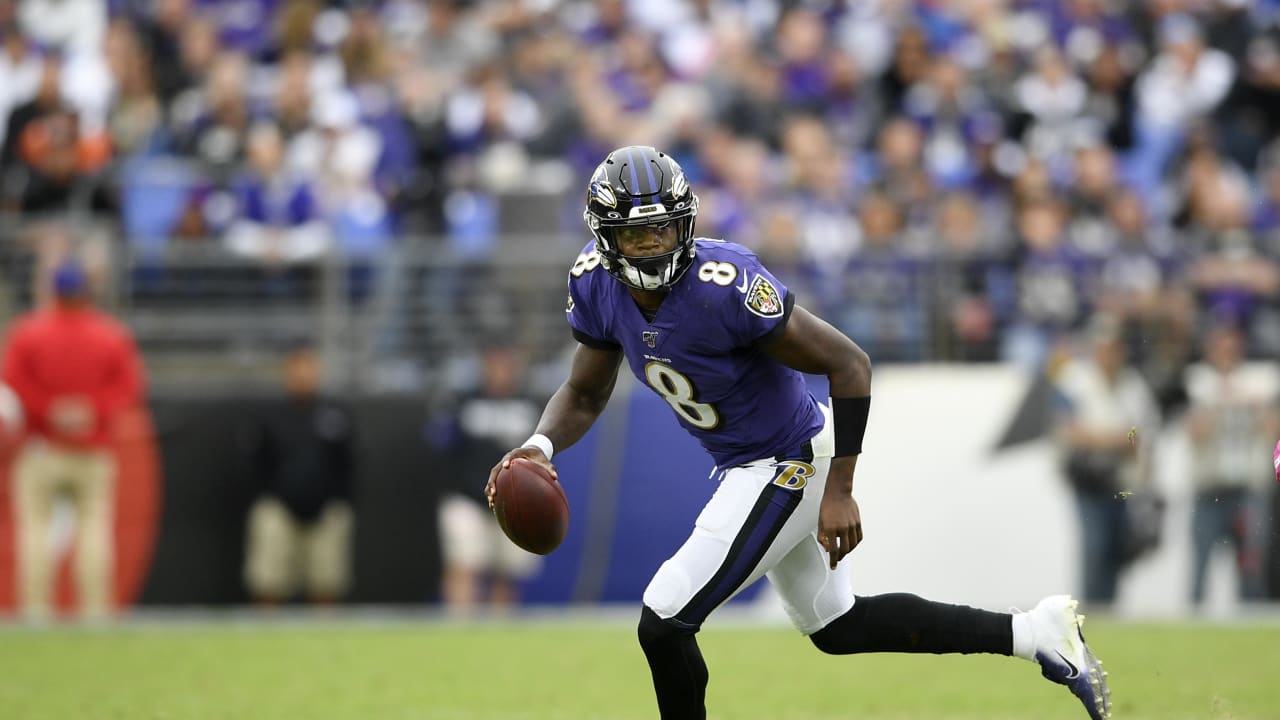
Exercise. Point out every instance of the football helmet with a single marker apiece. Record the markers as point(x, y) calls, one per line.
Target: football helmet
point(635, 187)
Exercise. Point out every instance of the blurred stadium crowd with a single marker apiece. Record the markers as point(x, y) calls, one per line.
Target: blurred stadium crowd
point(942, 179)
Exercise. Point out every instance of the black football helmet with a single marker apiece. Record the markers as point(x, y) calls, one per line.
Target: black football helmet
point(640, 186)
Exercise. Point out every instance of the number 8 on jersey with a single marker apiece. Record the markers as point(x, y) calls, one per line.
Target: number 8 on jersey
point(678, 391)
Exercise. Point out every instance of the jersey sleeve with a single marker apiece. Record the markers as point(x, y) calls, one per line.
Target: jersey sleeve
point(582, 310)
point(761, 307)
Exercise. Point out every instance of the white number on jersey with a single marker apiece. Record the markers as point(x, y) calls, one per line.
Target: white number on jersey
point(720, 273)
point(585, 263)
point(676, 389)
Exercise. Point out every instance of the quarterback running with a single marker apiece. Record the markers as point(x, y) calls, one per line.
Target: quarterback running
point(708, 328)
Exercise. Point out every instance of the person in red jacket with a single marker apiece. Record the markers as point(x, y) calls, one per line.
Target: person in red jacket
point(75, 370)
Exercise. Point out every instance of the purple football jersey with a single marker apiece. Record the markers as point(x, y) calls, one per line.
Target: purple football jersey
point(701, 354)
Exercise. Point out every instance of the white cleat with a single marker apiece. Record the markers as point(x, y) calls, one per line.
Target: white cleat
point(1065, 658)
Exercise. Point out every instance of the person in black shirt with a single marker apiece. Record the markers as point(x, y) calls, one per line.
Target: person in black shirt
point(300, 457)
point(477, 557)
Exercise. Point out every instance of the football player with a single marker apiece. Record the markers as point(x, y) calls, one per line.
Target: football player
point(720, 339)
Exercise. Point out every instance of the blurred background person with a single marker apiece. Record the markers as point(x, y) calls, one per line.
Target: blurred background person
point(49, 154)
point(75, 371)
point(300, 456)
point(1232, 423)
point(279, 219)
point(481, 566)
point(1103, 400)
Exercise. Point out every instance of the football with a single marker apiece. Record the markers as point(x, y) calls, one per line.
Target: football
point(531, 507)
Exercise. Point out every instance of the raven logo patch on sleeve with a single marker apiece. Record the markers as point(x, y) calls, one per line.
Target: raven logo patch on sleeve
point(763, 299)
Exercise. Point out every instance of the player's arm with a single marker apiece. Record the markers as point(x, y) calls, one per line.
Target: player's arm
point(572, 409)
point(810, 345)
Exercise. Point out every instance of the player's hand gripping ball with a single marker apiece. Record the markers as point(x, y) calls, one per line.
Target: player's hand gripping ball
point(531, 507)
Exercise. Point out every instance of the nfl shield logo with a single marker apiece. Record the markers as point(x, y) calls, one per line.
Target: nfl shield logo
point(650, 338)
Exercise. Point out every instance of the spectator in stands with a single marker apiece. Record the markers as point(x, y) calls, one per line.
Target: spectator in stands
point(733, 206)
point(339, 154)
point(68, 26)
point(489, 111)
point(1185, 82)
point(364, 52)
point(211, 119)
point(1135, 270)
point(197, 48)
point(20, 70)
point(75, 371)
point(482, 567)
point(1228, 269)
point(897, 165)
point(946, 107)
point(883, 286)
point(801, 39)
point(1051, 278)
point(136, 117)
point(45, 155)
point(912, 59)
point(161, 34)
point(1052, 98)
point(1093, 187)
point(821, 186)
point(1232, 422)
point(301, 456)
point(1111, 96)
point(280, 217)
point(969, 282)
point(748, 88)
point(1102, 400)
point(291, 102)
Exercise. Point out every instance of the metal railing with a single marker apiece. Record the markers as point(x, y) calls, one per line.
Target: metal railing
point(405, 321)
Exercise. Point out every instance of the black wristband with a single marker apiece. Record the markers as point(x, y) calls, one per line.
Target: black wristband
point(850, 418)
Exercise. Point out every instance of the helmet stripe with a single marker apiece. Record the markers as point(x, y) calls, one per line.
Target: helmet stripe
point(653, 184)
point(635, 178)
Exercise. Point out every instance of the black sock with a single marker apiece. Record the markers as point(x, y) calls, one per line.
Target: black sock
point(901, 622)
point(679, 673)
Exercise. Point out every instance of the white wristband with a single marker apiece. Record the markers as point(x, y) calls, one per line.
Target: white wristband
point(542, 442)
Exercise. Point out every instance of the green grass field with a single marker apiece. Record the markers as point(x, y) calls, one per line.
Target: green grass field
point(541, 670)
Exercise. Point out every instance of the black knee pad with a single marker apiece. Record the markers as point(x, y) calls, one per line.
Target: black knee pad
point(653, 630)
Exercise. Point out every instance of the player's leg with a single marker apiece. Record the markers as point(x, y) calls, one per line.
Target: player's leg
point(675, 662)
point(894, 622)
point(821, 604)
point(747, 526)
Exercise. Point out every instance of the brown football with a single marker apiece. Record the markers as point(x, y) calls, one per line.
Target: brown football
point(530, 506)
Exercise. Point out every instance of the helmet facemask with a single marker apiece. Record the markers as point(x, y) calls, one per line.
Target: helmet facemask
point(658, 271)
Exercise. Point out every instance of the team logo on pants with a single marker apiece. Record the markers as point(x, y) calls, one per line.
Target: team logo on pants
point(794, 474)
